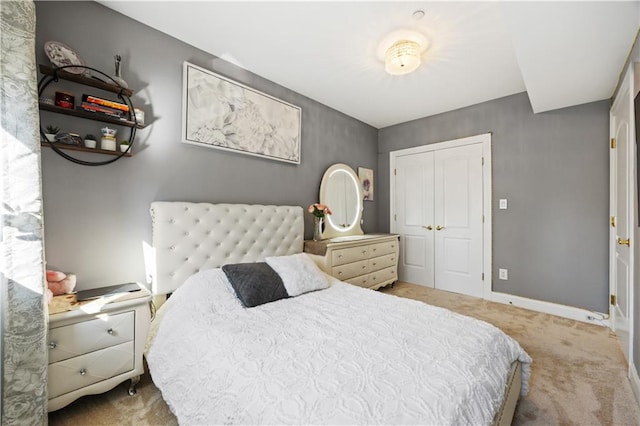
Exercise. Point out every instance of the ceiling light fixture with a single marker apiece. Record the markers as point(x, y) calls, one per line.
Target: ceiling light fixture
point(402, 57)
point(401, 51)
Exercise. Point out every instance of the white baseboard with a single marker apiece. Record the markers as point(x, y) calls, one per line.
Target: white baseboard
point(564, 311)
point(635, 382)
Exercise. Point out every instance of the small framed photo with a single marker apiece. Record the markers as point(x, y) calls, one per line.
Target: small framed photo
point(366, 180)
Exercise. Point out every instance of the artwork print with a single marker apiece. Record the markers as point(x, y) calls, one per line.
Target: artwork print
point(366, 179)
point(224, 114)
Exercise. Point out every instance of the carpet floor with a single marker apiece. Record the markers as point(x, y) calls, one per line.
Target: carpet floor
point(578, 373)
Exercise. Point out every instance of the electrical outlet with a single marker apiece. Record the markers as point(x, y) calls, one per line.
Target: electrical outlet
point(503, 203)
point(503, 274)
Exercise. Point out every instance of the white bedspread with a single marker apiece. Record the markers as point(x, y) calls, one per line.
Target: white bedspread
point(343, 355)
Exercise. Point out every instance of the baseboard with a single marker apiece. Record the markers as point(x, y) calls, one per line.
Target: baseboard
point(564, 311)
point(635, 382)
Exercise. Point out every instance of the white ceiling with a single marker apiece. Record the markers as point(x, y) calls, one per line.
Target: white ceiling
point(561, 53)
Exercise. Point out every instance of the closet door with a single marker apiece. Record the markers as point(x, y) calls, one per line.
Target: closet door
point(414, 217)
point(458, 219)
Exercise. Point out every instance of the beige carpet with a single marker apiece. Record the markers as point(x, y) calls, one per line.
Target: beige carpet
point(578, 373)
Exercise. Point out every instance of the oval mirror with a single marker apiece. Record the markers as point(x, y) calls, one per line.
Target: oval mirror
point(341, 191)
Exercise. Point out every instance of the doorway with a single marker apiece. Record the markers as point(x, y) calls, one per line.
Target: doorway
point(441, 208)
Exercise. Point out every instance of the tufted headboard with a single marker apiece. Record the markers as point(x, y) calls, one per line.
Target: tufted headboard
point(189, 237)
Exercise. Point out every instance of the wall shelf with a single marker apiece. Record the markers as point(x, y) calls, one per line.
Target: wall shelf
point(84, 149)
point(89, 115)
point(87, 81)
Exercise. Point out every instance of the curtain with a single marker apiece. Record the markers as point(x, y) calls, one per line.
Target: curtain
point(23, 316)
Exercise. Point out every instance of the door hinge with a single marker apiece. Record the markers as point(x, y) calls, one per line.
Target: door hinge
point(482, 218)
point(483, 161)
point(614, 144)
point(483, 276)
point(613, 299)
point(612, 221)
point(394, 172)
point(395, 217)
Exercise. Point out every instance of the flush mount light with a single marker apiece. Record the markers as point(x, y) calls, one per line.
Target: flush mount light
point(402, 51)
point(402, 57)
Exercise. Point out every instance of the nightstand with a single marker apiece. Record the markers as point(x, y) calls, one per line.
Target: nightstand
point(96, 344)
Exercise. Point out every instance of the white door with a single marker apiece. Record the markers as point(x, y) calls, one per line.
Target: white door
point(414, 217)
point(438, 205)
point(458, 220)
point(622, 216)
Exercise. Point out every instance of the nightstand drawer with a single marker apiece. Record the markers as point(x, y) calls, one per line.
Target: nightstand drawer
point(348, 255)
point(361, 281)
point(79, 372)
point(344, 272)
point(80, 338)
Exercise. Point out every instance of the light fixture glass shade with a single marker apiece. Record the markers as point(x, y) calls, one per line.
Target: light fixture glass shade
point(402, 57)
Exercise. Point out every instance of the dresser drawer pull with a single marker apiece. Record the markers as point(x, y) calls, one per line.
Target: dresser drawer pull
point(339, 272)
point(52, 345)
point(374, 263)
point(364, 266)
point(364, 252)
point(110, 331)
point(83, 371)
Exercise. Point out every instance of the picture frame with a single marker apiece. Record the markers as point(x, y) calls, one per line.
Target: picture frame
point(221, 113)
point(366, 180)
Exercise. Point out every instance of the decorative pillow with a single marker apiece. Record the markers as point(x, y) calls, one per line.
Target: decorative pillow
point(255, 283)
point(299, 273)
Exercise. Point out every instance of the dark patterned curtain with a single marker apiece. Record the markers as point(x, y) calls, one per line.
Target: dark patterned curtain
point(22, 305)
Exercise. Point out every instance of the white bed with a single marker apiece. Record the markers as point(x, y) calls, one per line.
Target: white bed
point(342, 355)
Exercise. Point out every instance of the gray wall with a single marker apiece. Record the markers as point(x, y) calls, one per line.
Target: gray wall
point(553, 168)
point(96, 218)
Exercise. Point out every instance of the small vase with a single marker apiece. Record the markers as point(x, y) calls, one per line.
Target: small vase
point(118, 78)
point(317, 228)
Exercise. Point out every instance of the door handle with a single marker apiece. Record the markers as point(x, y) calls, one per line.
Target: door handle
point(626, 242)
point(439, 228)
point(428, 227)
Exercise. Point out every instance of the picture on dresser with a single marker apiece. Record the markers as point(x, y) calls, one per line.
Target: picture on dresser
point(366, 179)
point(221, 113)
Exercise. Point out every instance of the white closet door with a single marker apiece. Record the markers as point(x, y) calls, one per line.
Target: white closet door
point(458, 220)
point(414, 217)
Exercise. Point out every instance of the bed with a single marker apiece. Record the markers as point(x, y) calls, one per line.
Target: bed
point(337, 355)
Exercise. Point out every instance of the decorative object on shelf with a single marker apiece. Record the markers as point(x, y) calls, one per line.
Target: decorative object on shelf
point(59, 283)
point(107, 131)
point(90, 141)
point(118, 77)
point(366, 179)
point(65, 100)
point(62, 55)
point(69, 139)
point(50, 133)
point(108, 143)
point(124, 146)
point(139, 116)
point(46, 101)
point(222, 113)
point(319, 212)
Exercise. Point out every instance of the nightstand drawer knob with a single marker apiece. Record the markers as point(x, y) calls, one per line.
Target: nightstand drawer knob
point(83, 371)
point(52, 345)
point(110, 331)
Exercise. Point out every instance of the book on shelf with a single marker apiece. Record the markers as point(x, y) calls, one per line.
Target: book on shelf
point(105, 102)
point(99, 108)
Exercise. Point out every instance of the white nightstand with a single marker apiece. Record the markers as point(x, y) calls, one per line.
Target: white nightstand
point(95, 345)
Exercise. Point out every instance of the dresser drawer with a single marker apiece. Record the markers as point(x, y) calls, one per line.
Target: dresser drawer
point(80, 338)
point(387, 247)
point(382, 276)
point(348, 255)
point(361, 281)
point(79, 372)
point(378, 263)
point(350, 270)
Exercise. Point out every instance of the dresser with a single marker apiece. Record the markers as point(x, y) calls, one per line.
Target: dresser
point(95, 345)
point(369, 260)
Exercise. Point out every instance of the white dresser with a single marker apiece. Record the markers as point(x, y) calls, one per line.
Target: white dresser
point(369, 260)
point(96, 345)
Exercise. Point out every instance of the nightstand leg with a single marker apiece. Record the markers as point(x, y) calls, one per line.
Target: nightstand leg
point(132, 386)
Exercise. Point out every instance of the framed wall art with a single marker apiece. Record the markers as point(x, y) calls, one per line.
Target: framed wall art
point(366, 179)
point(218, 112)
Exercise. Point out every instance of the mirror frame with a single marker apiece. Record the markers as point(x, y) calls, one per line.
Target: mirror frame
point(330, 229)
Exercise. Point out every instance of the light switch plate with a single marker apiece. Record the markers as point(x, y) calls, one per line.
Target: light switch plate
point(503, 203)
point(503, 274)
